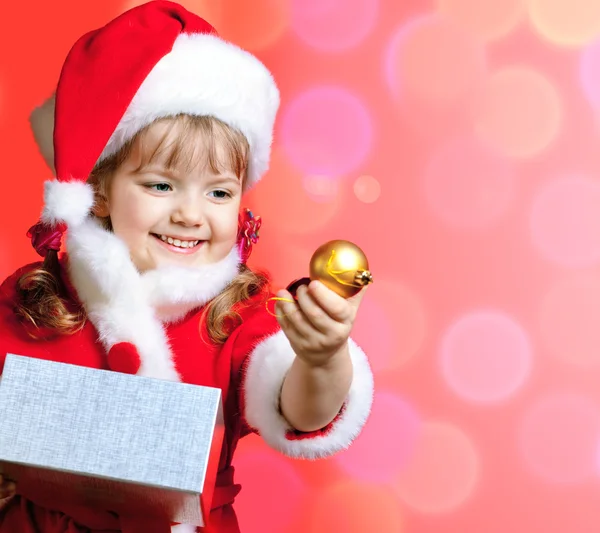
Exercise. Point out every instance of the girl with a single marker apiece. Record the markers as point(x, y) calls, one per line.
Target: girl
point(160, 126)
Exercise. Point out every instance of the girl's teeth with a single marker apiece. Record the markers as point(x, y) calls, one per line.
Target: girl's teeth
point(178, 242)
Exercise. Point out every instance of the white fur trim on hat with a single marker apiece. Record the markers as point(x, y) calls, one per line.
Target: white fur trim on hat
point(204, 75)
point(67, 202)
point(268, 365)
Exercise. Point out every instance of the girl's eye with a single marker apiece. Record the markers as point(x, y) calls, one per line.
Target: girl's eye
point(221, 194)
point(161, 187)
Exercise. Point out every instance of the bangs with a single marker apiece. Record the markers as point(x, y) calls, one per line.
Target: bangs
point(199, 142)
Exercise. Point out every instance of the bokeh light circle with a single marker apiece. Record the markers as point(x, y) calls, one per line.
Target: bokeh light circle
point(485, 357)
point(367, 189)
point(353, 508)
point(391, 324)
point(253, 25)
point(333, 25)
point(589, 71)
point(443, 472)
point(326, 131)
point(565, 221)
point(432, 58)
point(321, 188)
point(489, 20)
point(284, 203)
point(282, 489)
point(468, 185)
point(386, 443)
point(566, 22)
point(569, 321)
point(559, 436)
point(518, 112)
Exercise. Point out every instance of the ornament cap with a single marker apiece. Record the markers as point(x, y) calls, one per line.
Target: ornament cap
point(363, 278)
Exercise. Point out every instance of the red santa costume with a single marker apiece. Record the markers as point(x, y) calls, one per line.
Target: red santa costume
point(154, 61)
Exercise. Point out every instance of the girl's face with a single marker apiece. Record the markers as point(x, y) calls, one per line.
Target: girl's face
point(170, 214)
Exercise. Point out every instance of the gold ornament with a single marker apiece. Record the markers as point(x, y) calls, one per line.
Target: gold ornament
point(341, 266)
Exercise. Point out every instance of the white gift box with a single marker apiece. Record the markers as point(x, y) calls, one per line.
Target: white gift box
point(119, 442)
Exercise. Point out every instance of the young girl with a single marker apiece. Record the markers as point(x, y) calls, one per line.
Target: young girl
point(159, 128)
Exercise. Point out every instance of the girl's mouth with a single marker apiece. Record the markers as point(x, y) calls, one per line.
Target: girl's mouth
point(178, 245)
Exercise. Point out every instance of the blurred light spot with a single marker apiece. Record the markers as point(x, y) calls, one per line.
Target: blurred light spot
point(386, 443)
point(353, 508)
point(253, 25)
point(486, 357)
point(270, 485)
point(284, 204)
point(559, 436)
point(391, 324)
point(367, 189)
point(589, 67)
point(326, 131)
point(518, 112)
point(566, 22)
point(467, 185)
point(565, 221)
point(443, 470)
point(321, 188)
point(488, 20)
point(333, 25)
point(569, 321)
point(435, 59)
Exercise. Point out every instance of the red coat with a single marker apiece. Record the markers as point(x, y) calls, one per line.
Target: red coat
point(249, 369)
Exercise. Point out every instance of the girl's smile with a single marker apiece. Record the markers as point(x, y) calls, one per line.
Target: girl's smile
point(179, 245)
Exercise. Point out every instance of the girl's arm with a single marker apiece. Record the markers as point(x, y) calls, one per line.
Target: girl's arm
point(318, 327)
point(288, 384)
point(312, 395)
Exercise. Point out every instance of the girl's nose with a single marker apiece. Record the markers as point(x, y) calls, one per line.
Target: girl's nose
point(188, 212)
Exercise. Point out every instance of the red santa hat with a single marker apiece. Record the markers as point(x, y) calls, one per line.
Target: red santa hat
point(153, 61)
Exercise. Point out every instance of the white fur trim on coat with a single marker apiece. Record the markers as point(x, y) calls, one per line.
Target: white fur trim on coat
point(126, 306)
point(68, 202)
point(268, 365)
point(204, 75)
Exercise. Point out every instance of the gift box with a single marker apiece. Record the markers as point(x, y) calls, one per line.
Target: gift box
point(123, 443)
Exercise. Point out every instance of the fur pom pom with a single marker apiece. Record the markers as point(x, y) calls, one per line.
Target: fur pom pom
point(67, 202)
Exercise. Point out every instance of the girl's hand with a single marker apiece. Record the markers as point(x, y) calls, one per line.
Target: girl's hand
point(7, 488)
point(318, 325)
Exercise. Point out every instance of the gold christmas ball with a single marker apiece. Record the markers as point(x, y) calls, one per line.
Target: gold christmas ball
point(341, 266)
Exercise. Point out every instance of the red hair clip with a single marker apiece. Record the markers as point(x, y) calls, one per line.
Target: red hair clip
point(44, 237)
point(248, 234)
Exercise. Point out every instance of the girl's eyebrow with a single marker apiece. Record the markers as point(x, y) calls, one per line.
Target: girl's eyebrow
point(156, 169)
point(228, 177)
point(225, 177)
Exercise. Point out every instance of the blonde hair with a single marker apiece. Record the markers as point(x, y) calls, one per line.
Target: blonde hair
point(43, 304)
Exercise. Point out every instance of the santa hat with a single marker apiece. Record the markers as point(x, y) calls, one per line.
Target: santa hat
point(156, 60)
